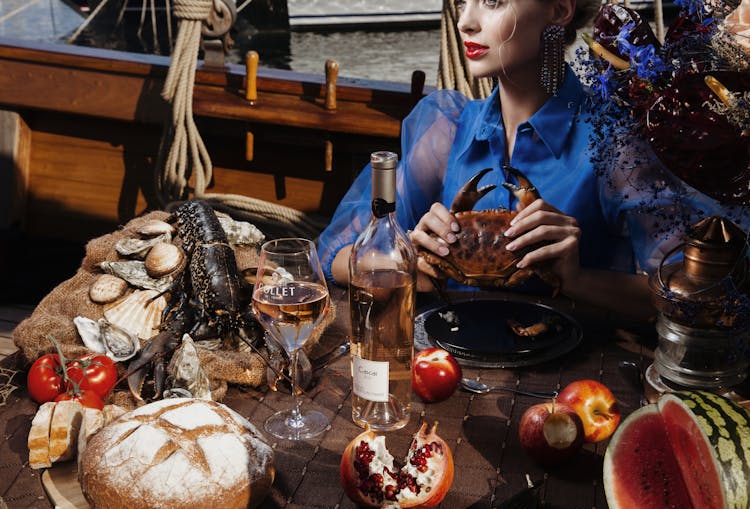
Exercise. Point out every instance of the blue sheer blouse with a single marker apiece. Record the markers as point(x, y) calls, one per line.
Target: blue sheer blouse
point(447, 138)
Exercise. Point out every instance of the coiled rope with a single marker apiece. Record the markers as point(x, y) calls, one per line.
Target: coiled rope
point(452, 70)
point(182, 153)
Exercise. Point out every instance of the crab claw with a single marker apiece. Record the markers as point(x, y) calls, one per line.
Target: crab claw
point(469, 195)
point(525, 192)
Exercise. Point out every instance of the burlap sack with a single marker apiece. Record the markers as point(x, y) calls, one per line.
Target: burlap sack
point(54, 317)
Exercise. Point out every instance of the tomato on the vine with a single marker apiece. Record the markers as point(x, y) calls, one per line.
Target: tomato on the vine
point(93, 372)
point(46, 379)
point(89, 399)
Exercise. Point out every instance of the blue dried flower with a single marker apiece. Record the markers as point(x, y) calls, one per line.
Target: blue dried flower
point(623, 38)
point(692, 7)
point(604, 84)
point(646, 62)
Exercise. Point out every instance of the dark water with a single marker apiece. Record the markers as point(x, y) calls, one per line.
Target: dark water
point(381, 54)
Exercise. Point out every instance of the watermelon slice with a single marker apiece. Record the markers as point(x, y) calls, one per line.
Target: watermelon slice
point(640, 470)
point(690, 450)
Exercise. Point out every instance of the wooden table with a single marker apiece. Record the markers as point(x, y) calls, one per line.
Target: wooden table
point(482, 431)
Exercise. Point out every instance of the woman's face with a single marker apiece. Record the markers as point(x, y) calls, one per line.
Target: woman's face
point(502, 37)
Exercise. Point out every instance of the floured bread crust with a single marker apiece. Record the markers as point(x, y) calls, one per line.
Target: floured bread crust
point(177, 453)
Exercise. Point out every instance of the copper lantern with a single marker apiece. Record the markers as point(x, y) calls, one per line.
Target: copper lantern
point(704, 310)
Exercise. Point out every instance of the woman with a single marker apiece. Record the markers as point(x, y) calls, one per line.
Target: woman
point(536, 121)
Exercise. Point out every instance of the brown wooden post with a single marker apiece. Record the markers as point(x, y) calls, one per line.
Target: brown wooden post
point(15, 155)
point(417, 86)
point(328, 166)
point(332, 74)
point(251, 69)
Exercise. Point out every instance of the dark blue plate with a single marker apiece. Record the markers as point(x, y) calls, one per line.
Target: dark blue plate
point(478, 332)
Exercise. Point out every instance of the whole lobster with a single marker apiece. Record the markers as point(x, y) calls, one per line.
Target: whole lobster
point(209, 299)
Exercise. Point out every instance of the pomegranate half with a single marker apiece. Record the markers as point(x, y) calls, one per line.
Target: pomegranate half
point(372, 478)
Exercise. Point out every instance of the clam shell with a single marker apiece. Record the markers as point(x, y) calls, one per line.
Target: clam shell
point(88, 329)
point(164, 259)
point(107, 288)
point(121, 345)
point(139, 313)
point(155, 227)
point(134, 272)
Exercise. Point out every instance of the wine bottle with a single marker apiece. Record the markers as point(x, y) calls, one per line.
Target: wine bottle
point(382, 283)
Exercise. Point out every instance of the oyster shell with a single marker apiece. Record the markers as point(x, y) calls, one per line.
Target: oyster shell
point(90, 334)
point(134, 272)
point(107, 288)
point(156, 227)
point(139, 248)
point(240, 232)
point(104, 337)
point(139, 313)
point(121, 345)
point(164, 259)
point(186, 372)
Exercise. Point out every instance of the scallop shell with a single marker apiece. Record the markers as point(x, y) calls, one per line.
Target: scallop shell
point(121, 345)
point(155, 227)
point(88, 329)
point(134, 272)
point(138, 313)
point(164, 259)
point(138, 248)
point(107, 288)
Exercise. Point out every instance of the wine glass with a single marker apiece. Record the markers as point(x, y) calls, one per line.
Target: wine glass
point(290, 300)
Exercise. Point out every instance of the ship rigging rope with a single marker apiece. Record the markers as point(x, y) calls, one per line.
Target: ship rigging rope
point(183, 154)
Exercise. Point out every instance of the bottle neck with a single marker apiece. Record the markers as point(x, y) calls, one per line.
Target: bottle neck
point(381, 207)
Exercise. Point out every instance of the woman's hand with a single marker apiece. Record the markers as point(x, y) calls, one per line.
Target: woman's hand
point(440, 222)
point(541, 222)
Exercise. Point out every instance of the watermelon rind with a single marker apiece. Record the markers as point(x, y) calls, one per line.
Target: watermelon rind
point(704, 474)
point(726, 426)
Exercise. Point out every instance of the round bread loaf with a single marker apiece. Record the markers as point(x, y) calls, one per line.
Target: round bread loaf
point(177, 453)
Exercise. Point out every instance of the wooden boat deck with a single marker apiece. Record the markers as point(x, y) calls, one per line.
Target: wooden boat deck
point(10, 316)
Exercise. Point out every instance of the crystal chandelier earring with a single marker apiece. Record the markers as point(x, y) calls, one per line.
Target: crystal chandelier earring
point(553, 62)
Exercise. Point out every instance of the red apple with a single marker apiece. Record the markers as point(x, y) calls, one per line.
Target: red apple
point(596, 405)
point(434, 374)
point(550, 432)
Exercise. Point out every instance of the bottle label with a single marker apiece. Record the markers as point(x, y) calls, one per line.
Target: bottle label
point(381, 208)
point(370, 379)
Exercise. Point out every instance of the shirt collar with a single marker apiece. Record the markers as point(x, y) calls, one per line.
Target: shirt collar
point(560, 110)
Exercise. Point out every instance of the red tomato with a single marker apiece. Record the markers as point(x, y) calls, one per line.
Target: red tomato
point(88, 399)
point(45, 379)
point(93, 372)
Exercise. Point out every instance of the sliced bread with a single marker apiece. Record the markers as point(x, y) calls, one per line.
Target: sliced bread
point(63, 434)
point(39, 437)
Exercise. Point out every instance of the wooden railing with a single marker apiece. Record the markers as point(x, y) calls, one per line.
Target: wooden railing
point(95, 118)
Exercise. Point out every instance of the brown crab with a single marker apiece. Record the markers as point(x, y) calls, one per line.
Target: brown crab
point(478, 257)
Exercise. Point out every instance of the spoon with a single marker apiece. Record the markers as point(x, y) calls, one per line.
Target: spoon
point(481, 388)
point(632, 373)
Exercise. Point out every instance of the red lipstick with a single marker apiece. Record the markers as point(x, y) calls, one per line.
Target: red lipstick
point(474, 50)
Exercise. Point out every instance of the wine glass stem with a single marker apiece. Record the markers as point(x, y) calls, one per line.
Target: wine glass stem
point(296, 414)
